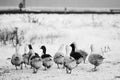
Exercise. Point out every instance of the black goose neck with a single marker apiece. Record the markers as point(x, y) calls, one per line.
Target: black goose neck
point(44, 50)
point(30, 47)
point(73, 48)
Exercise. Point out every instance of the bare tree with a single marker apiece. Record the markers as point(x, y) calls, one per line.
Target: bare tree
point(21, 6)
point(65, 10)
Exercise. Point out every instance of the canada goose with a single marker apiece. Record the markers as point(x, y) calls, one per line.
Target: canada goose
point(82, 52)
point(76, 55)
point(95, 59)
point(59, 57)
point(31, 53)
point(36, 63)
point(46, 58)
point(69, 62)
point(34, 59)
point(17, 59)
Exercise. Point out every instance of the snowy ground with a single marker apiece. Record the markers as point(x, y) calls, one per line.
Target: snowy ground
point(54, 30)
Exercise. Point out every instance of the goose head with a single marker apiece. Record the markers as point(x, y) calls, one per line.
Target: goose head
point(30, 46)
point(43, 48)
point(73, 46)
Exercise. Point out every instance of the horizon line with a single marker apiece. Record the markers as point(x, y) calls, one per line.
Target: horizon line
point(59, 7)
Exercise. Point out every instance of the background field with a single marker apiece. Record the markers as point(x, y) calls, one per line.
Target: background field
point(53, 30)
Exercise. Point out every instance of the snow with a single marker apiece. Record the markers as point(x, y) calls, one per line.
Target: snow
point(53, 30)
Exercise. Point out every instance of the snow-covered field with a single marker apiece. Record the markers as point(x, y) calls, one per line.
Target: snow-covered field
point(53, 30)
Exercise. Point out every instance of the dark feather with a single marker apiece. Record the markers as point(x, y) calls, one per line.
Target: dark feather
point(35, 56)
point(76, 55)
point(45, 56)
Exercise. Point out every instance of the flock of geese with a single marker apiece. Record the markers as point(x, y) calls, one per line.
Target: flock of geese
point(69, 61)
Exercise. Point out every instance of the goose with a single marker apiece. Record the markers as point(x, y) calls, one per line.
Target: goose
point(25, 57)
point(46, 58)
point(59, 57)
point(36, 63)
point(34, 59)
point(95, 59)
point(17, 59)
point(82, 52)
point(76, 55)
point(31, 53)
point(69, 62)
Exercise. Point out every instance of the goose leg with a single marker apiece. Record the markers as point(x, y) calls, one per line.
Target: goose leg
point(58, 66)
point(21, 66)
point(84, 60)
point(94, 69)
point(63, 66)
point(16, 68)
point(70, 71)
point(31, 67)
point(45, 68)
point(26, 66)
point(34, 70)
point(67, 71)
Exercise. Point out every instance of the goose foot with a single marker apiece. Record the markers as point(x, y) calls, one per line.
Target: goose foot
point(68, 71)
point(94, 69)
point(34, 71)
